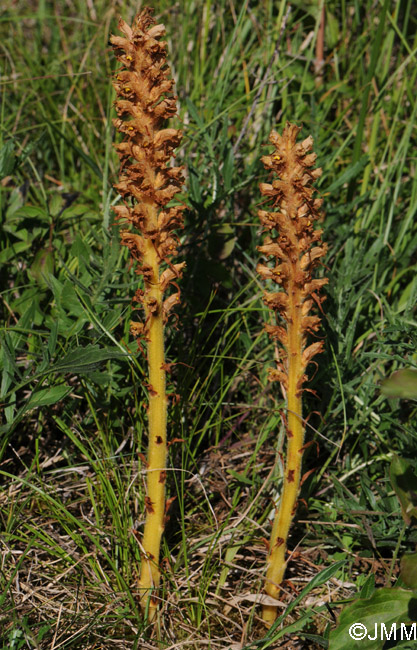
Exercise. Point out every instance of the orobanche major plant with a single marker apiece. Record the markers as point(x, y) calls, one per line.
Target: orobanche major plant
point(297, 249)
point(148, 186)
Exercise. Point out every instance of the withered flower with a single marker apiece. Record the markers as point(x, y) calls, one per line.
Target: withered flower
point(294, 250)
point(147, 185)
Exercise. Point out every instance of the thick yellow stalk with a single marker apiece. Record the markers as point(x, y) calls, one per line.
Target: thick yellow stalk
point(157, 446)
point(296, 249)
point(276, 563)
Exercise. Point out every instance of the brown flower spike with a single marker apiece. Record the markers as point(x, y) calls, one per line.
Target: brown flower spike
point(147, 185)
point(296, 250)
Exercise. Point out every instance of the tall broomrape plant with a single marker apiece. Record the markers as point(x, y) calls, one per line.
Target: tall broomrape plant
point(296, 250)
point(147, 184)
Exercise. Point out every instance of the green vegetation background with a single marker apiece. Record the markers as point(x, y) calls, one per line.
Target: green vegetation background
point(72, 393)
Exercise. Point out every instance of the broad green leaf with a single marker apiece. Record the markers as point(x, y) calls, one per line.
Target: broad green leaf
point(52, 339)
point(56, 287)
point(42, 267)
point(12, 251)
point(80, 249)
point(47, 396)
point(409, 570)
point(84, 360)
point(402, 383)
point(7, 159)
point(9, 409)
point(9, 369)
point(8, 364)
point(16, 200)
point(332, 29)
point(69, 300)
point(31, 212)
point(56, 203)
point(357, 621)
point(404, 482)
point(101, 378)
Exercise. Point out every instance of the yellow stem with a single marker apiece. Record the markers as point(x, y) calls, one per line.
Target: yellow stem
point(295, 439)
point(157, 453)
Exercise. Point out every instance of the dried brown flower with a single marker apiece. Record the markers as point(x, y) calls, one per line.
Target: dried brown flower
point(147, 183)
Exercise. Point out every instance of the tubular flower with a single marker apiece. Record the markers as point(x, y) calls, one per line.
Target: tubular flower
point(147, 185)
point(294, 250)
